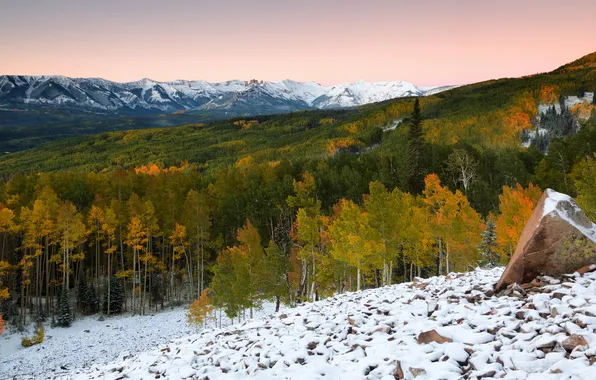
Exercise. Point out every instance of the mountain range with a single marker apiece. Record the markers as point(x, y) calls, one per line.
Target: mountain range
point(234, 97)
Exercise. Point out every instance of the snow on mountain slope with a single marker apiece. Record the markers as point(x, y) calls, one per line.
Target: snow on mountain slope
point(447, 327)
point(150, 95)
point(358, 93)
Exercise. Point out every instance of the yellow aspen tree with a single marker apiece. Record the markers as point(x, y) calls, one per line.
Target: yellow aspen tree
point(383, 217)
point(350, 238)
point(108, 228)
point(95, 219)
point(135, 240)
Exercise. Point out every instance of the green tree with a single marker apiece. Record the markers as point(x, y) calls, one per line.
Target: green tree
point(416, 145)
point(488, 246)
point(64, 317)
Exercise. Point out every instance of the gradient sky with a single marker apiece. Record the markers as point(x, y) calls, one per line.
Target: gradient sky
point(426, 42)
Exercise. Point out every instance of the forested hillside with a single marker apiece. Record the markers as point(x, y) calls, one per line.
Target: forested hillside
point(489, 115)
point(290, 207)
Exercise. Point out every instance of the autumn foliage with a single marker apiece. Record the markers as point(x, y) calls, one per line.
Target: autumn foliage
point(516, 205)
point(200, 310)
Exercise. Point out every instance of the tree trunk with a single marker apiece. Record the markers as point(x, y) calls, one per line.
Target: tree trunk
point(440, 257)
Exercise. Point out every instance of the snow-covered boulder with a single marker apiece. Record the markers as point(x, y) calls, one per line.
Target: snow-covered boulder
point(559, 238)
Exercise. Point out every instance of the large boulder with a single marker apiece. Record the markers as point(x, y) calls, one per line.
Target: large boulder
point(558, 239)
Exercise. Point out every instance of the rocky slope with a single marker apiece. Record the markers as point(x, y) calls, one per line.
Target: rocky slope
point(447, 327)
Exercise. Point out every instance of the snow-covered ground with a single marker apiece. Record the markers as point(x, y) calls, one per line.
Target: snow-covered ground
point(543, 332)
point(89, 342)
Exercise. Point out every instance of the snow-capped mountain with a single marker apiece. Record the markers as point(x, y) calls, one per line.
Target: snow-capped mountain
point(146, 95)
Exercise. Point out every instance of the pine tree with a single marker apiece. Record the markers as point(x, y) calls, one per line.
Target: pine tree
point(116, 297)
point(88, 302)
point(64, 318)
point(488, 247)
point(415, 141)
point(581, 92)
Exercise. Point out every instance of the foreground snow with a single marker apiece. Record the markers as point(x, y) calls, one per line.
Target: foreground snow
point(90, 342)
point(373, 334)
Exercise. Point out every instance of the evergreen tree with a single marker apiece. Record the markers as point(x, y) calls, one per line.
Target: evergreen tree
point(415, 142)
point(562, 102)
point(581, 92)
point(488, 247)
point(88, 302)
point(116, 297)
point(64, 317)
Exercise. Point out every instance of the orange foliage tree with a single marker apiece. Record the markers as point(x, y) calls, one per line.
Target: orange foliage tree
point(516, 205)
point(200, 309)
point(548, 95)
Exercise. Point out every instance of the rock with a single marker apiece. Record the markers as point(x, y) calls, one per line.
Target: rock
point(432, 336)
point(382, 329)
point(586, 269)
point(417, 371)
point(557, 239)
point(398, 373)
point(573, 341)
point(559, 295)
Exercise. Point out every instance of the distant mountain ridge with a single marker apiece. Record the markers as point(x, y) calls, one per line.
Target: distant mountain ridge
point(236, 96)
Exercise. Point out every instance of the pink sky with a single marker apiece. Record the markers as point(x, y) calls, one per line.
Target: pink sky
point(426, 42)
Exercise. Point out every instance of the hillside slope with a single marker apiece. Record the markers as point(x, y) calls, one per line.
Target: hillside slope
point(547, 331)
point(490, 114)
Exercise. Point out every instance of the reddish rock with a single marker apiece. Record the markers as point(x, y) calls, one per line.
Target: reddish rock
point(586, 269)
point(432, 336)
point(398, 373)
point(573, 341)
point(557, 239)
point(382, 329)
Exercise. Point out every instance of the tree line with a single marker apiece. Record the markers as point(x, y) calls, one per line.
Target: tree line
point(291, 230)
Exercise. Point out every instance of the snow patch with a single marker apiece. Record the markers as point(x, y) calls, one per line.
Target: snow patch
point(554, 205)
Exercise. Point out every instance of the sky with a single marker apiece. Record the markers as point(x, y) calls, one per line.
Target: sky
point(426, 42)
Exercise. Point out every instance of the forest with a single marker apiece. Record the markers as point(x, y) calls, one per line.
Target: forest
point(290, 208)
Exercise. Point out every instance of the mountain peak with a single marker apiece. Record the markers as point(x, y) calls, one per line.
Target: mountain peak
point(148, 95)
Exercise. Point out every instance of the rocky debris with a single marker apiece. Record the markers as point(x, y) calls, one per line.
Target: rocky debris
point(454, 328)
point(432, 336)
point(557, 239)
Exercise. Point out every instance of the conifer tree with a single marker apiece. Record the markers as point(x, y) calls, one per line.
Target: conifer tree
point(116, 298)
point(64, 317)
point(415, 142)
point(488, 246)
point(581, 92)
point(87, 299)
